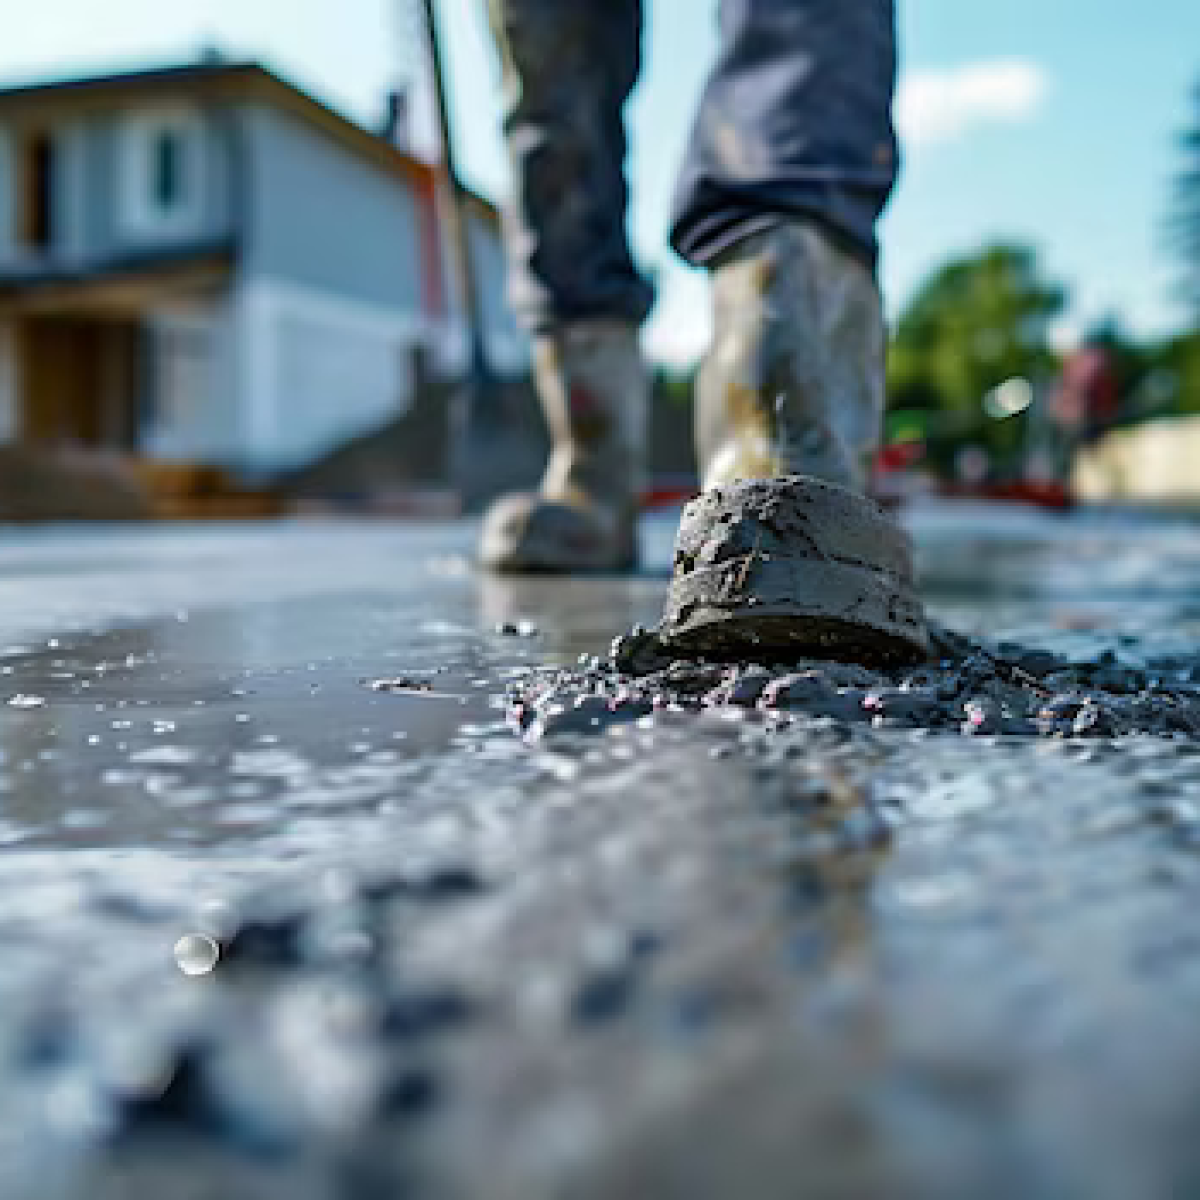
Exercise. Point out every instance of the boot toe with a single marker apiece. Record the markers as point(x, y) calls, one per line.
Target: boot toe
point(788, 567)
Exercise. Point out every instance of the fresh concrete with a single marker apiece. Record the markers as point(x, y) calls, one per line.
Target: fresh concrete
point(701, 955)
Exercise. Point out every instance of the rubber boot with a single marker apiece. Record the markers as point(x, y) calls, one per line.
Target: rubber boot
point(594, 390)
point(793, 383)
point(782, 554)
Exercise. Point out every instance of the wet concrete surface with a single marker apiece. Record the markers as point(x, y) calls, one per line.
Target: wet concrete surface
point(739, 951)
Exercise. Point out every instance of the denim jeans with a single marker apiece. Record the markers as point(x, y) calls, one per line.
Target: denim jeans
point(795, 121)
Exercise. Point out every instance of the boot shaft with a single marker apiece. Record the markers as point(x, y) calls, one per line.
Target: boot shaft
point(793, 383)
point(594, 389)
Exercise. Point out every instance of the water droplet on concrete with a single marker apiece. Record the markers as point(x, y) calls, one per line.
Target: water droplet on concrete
point(196, 954)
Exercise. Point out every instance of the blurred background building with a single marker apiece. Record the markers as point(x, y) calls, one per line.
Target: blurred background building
point(203, 264)
point(222, 292)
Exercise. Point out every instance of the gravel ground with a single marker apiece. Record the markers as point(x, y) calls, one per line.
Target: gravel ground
point(1011, 690)
point(471, 918)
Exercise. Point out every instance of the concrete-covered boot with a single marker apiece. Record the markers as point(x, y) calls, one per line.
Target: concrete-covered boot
point(782, 554)
point(594, 389)
point(793, 383)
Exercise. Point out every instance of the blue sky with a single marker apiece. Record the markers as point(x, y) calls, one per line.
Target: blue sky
point(1049, 120)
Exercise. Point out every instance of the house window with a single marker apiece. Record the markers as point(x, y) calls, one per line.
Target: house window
point(37, 195)
point(167, 165)
point(161, 176)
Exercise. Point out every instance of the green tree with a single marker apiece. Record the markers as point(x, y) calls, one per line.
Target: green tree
point(1183, 218)
point(977, 321)
point(1174, 373)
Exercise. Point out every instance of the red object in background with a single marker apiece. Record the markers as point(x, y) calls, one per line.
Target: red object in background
point(1050, 494)
point(668, 491)
point(1088, 395)
point(433, 283)
point(899, 455)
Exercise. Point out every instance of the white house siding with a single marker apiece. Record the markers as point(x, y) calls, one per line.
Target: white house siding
point(330, 299)
point(508, 351)
point(325, 220)
point(97, 204)
point(507, 345)
point(315, 370)
point(70, 194)
point(181, 354)
point(192, 403)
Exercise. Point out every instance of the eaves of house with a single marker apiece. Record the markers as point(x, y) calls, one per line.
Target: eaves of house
point(217, 87)
point(228, 81)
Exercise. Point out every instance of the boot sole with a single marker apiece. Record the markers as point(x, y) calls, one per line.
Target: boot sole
point(793, 566)
point(551, 564)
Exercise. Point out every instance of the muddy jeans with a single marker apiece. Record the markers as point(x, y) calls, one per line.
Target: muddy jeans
point(795, 120)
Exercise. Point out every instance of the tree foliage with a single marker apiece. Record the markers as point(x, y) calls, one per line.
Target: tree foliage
point(1176, 362)
point(977, 321)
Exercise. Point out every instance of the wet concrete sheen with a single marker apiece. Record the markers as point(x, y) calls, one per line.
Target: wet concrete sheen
point(697, 954)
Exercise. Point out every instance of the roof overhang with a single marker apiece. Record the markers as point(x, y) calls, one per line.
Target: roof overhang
point(125, 287)
point(216, 83)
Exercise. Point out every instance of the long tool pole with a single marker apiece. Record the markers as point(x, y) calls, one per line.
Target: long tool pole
point(455, 210)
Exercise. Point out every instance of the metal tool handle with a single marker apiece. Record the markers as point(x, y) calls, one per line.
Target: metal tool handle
point(455, 208)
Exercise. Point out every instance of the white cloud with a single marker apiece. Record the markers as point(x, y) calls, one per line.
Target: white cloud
point(940, 105)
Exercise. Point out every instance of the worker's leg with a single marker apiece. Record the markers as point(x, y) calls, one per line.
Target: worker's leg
point(568, 67)
point(567, 70)
point(795, 122)
point(790, 163)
